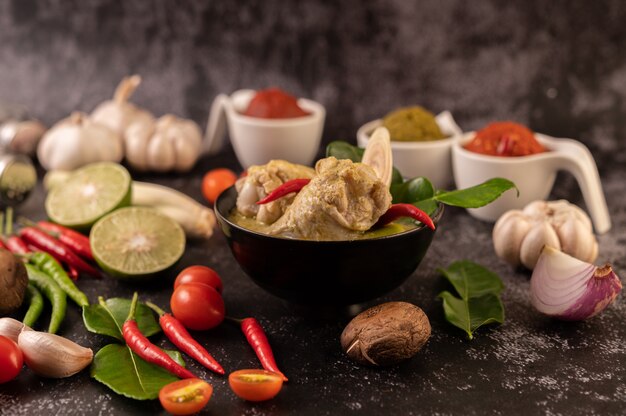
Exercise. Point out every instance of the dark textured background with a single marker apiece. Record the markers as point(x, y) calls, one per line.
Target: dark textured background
point(559, 66)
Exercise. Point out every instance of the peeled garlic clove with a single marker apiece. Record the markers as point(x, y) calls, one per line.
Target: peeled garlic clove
point(540, 235)
point(508, 234)
point(53, 356)
point(570, 289)
point(11, 328)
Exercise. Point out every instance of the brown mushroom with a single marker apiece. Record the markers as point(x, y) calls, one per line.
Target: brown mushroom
point(386, 334)
point(13, 282)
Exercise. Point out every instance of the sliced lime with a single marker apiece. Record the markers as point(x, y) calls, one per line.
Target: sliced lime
point(136, 242)
point(88, 194)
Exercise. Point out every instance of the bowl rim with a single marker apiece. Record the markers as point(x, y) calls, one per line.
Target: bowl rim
point(317, 113)
point(436, 217)
point(366, 130)
point(547, 141)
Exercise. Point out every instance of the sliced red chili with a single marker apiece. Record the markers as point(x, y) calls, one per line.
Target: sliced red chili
point(294, 185)
point(405, 210)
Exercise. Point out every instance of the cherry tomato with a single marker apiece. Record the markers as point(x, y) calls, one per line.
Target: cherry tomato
point(197, 306)
point(11, 359)
point(216, 181)
point(255, 385)
point(185, 397)
point(199, 274)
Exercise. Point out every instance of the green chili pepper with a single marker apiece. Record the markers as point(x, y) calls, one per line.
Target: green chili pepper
point(35, 305)
point(48, 264)
point(53, 292)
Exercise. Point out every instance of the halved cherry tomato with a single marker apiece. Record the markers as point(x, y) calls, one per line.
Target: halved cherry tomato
point(216, 181)
point(255, 385)
point(185, 397)
point(199, 274)
point(197, 306)
point(11, 359)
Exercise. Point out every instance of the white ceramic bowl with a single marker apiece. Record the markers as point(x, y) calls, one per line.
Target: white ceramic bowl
point(256, 140)
point(533, 175)
point(430, 159)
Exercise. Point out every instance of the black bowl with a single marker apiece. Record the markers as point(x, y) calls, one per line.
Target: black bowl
point(324, 272)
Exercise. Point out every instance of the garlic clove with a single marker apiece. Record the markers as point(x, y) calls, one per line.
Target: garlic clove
point(536, 210)
point(567, 288)
point(541, 234)
point(11, 328)
point(562, 206)
point(508, 234)
point(53, 356)
point(576, 239)
point(136, 141)
point(187, 139)
point(160, 153)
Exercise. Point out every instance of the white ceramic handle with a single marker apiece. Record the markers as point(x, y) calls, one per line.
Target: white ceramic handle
point(216, 125)
point(575, 158)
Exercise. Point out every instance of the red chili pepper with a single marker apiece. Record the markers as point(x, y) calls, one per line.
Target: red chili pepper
point(176, 332)
point(16, 245)
point(258, 341)
point(78, 242)
point(294, 185)
point(405, 210)
point(4, 246)
point(142, 346)
point(58, 249)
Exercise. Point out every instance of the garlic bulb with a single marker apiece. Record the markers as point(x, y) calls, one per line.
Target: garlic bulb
point(118, 114)
point(570, 289)
point(53, 356)
point(77, 141)
point(519, 236)
point(11, 328)
point(172, 143)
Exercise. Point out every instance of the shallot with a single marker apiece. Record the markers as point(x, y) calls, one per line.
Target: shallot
point(570, 289)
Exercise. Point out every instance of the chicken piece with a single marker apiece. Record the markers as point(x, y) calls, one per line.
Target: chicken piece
point(260, 181)
point(342, 200)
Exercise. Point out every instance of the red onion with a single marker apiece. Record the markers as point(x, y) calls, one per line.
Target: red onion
point(570, 289)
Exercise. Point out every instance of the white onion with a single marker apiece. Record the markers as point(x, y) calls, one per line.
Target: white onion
point(570, 289)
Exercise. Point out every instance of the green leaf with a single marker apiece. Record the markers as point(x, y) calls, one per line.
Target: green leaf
point(472, 280)
point(411, 191)
point(476, 196)
point(344, 150)
point(117, 367)
point(109, 322)
point(478, 302)
point(471, 314)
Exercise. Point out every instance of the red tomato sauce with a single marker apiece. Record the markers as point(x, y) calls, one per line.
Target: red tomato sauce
point(274, 103)
point(505, 138)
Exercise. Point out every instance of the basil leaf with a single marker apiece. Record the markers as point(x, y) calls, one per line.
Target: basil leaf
point(471, 314)
point(479, 296)
point(100, 321)
point(476, 196)
point(472, 280)
point(413, 190)
point(124, 372)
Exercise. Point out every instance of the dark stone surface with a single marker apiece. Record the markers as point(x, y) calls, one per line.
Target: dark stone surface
point(558, 66)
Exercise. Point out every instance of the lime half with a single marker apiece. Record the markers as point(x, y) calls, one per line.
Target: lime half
point(88, 194)
point(136, 242)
